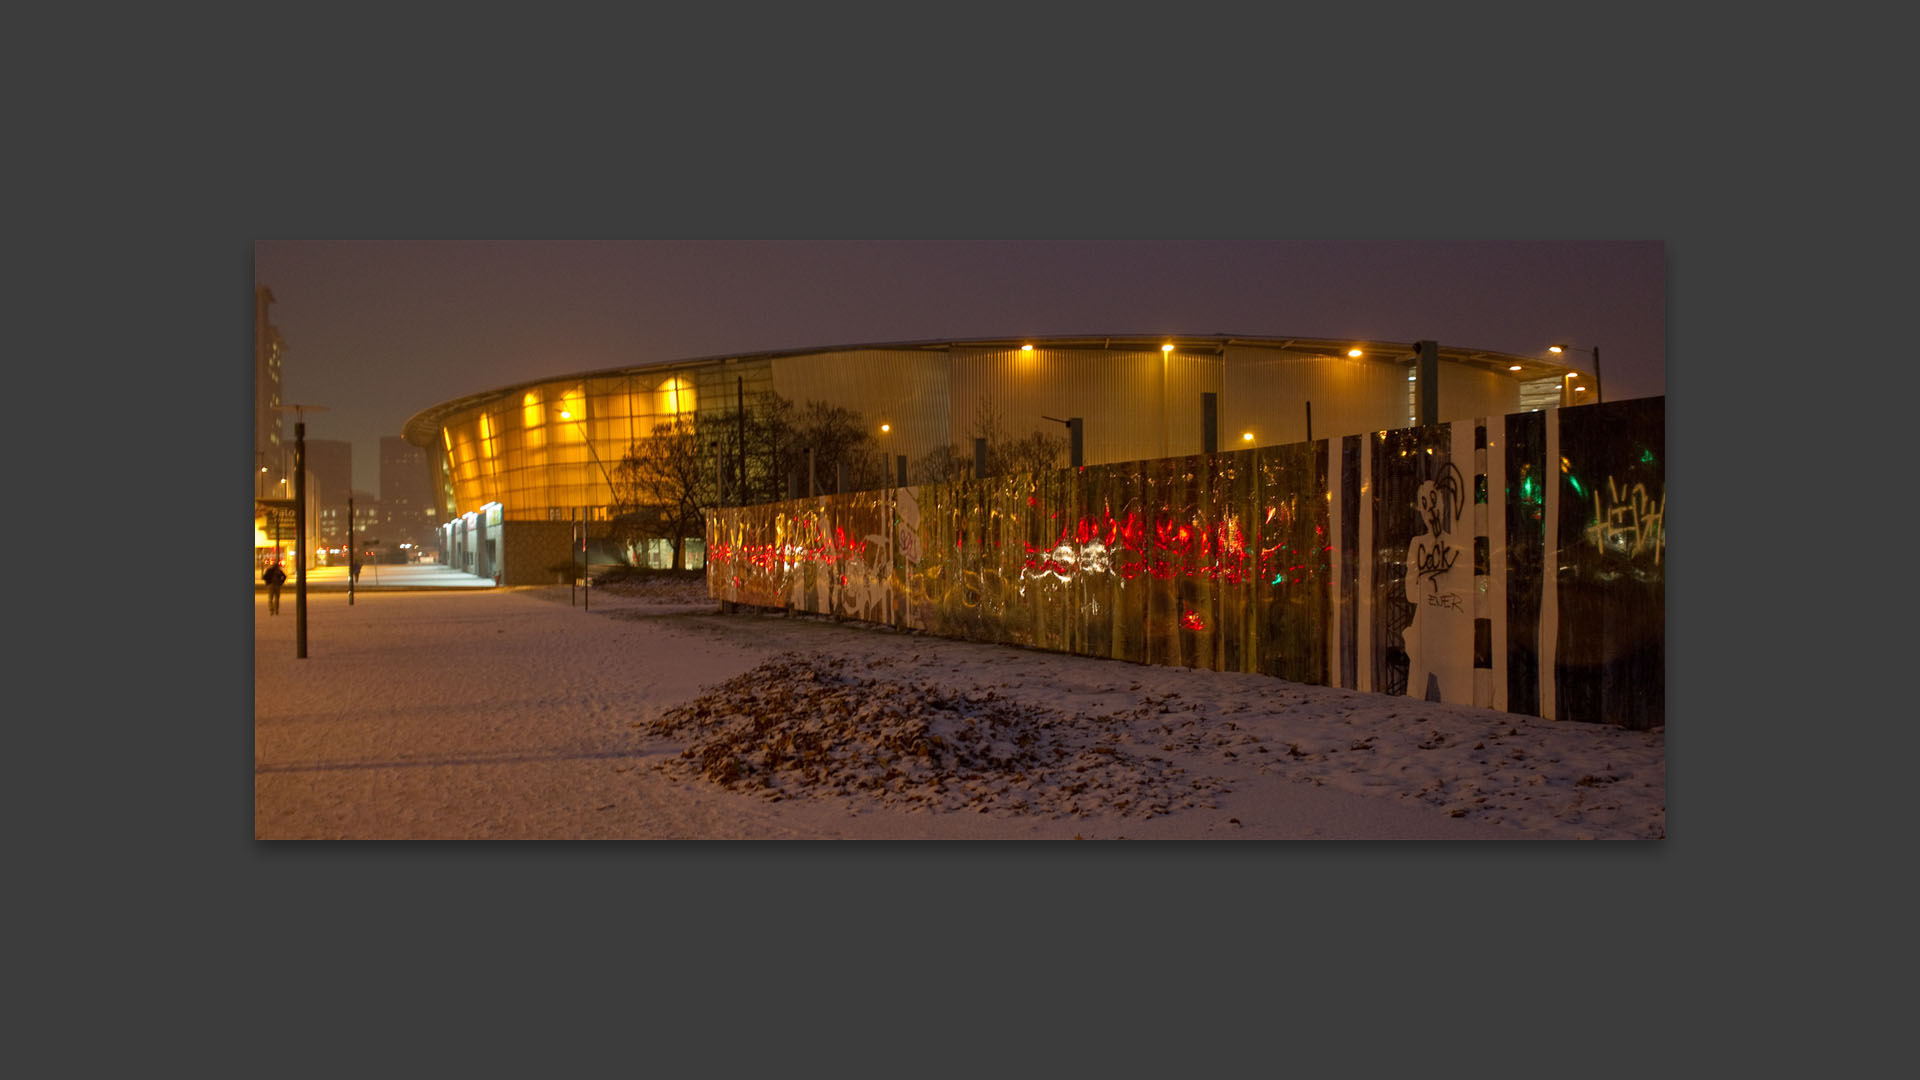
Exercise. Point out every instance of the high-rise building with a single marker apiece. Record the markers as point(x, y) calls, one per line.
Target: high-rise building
point(270, 463)
point(406, 492)
point(274, 536)
point(330, 465)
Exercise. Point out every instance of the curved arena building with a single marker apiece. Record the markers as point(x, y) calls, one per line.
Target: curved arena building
point(545, 450)
point(1399, 518)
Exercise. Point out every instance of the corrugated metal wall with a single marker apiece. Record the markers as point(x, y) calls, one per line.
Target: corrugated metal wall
point(904, 388)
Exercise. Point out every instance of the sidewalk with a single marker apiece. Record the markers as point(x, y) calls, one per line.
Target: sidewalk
point(383, 577)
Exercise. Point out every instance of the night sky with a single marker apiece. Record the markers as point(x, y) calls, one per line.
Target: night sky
point(377, 331)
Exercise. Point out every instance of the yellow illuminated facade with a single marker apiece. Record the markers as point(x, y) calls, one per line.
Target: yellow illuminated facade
point(544, 450)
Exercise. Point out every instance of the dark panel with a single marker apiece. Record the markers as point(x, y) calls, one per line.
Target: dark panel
point(1403, 460)
point(1610, 661)
point(1293, 563)
point(1349, 559)
point(1525, 500)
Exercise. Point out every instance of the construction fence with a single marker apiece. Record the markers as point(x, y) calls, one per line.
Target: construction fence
point(1516, 563)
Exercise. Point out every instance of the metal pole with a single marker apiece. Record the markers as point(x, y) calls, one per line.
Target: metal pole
point(1598, 393)
point(1209, 422)
point(300, 533)
point(1309, 421)
point(1429, 375)
point(740, 434)
point(1076, 438)
point(351, 553)
point(586, 567)
point(573, 579)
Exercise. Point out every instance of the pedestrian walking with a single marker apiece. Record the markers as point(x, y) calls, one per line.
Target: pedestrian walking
point(274, 577)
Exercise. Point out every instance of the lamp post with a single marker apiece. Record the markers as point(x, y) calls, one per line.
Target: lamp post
point(300, 521)
point(1599, 391)
point(1076, 432)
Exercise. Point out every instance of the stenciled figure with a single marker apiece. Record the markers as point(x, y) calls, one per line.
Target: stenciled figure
point(1439, 583)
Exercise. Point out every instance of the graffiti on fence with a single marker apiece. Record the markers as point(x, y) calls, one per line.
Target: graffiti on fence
point(1629, 522)
point(1225, 562)
point(1437, 585)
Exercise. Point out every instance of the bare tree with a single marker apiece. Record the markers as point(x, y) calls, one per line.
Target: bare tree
point(755, 449)
point(837, 436)
point(663, 487)
point(1037, 451)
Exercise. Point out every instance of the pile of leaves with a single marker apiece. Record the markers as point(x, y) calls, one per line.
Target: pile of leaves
point(801, 726)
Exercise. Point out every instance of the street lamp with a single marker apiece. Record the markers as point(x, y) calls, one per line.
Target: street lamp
point(1076, 438)
point(1599, 393)
point(299, 501)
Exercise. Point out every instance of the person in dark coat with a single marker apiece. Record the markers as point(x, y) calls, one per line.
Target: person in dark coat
point(274, 577)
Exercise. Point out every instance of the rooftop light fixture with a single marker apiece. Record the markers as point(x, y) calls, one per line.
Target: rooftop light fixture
point(1600, 391)
point(1353, 352)
point(884, 428)
point(1026, 348)
point(1246, 436)
point(1166, 348)
point(1515, 367)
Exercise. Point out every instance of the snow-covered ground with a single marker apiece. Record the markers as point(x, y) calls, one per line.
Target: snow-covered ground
point(517, 714)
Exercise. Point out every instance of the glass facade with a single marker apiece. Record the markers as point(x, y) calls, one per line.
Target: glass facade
point(544, 451)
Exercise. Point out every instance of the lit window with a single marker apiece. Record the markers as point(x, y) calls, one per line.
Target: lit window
point(676, 397)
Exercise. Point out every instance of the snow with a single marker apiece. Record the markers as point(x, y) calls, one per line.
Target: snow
point(517, 714)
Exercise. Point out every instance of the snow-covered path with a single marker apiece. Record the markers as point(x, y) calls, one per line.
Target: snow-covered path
point(510, 714)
